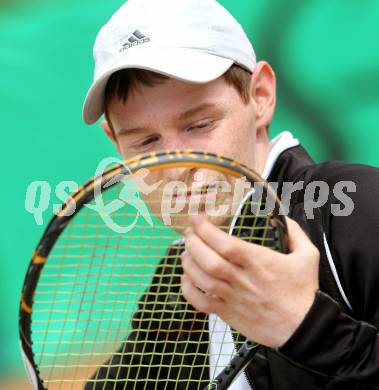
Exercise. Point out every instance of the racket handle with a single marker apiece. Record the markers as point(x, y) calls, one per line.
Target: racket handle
point(238, 363)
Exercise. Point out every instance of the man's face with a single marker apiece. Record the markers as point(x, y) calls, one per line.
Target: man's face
point(179, 115)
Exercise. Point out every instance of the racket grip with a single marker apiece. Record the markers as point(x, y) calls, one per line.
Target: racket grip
point(238, 363)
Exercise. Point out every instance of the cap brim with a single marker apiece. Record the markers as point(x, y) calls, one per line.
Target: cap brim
point(182, 64)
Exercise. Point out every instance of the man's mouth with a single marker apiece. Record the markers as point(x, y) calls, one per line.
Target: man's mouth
point(204, 191)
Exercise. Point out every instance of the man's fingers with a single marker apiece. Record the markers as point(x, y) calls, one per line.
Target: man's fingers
point(207, 259)
point(231, 248)
point(203, 280)
point(200, 301)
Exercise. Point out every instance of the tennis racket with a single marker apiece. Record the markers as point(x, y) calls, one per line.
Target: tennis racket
point(101, 304)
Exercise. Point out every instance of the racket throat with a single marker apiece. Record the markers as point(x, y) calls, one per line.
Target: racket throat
point(246, 374)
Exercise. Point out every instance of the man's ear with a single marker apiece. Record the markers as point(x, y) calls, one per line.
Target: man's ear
point(263, 93)
point(110, 134)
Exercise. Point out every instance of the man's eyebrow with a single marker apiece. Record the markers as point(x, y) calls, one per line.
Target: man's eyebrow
point(135, 130)
point(191, 112)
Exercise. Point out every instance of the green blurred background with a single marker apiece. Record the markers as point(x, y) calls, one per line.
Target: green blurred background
point(325, 54)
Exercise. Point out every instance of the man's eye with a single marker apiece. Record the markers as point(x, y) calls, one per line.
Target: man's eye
point(201, 125)
point(148, 141)
point(145, 144)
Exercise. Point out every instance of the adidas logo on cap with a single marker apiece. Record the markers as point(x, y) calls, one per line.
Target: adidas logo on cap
point(137, 38)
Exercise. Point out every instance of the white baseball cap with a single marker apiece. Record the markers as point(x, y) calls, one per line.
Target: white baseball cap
point(191, 40)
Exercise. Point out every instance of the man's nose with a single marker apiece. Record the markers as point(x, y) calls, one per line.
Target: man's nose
point(184, 175)
point(175, 140)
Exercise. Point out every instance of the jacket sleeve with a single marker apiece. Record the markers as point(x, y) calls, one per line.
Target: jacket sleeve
point(329, 340)
point(333, 343)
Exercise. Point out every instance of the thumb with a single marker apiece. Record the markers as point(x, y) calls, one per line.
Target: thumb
point(297, 239)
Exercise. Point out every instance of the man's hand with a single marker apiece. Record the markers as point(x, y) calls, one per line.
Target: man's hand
point(261, 293)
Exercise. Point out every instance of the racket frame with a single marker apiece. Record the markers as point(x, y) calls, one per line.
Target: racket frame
point(86, 193)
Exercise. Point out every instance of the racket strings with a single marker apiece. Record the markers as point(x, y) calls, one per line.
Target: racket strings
point(56, 356)
point(109, 310)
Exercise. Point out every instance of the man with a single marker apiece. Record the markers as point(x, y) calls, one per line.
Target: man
point(176, 74)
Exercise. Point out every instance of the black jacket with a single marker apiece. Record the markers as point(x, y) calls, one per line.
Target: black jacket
point(337, 344)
